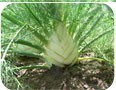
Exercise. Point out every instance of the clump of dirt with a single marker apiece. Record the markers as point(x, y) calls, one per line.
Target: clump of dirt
point(86, 75)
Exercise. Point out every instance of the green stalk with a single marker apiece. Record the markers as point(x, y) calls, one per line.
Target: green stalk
point(38, 35)
point(89, 31)
point(9, 70)
point(27, 43)
point(92, 58)
point(85, 24)
point(29, 54)
point(4, 54)
point(25, 53)
point(32, 67)
point(82, 28)
point(41, 37)
point(105, 58)
point(71, 28)
point(12, 19)
point(96, 38)
point(45, 31)
point(50, 13)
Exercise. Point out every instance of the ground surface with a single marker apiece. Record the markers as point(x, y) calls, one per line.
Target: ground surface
point(86, 75)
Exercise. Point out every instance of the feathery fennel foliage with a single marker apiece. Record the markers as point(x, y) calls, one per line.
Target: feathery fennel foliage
point(56, 32)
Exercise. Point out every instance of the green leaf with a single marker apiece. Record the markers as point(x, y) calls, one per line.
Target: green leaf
point(41, 37)
point(29, 54)
point(80, 7)
point(27, 43)
point(89, 31)
point(12, 19)
point(39, 22)
point(96, 38)
point(31, 67)
point(85, 24)
point(4, 54)
point(38, 35)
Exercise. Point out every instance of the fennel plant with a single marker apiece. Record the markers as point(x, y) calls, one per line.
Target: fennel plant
point(55, 33)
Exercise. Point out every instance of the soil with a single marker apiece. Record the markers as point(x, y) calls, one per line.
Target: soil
point(86, 75)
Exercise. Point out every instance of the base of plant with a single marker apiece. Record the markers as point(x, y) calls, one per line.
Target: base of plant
point(45, 66)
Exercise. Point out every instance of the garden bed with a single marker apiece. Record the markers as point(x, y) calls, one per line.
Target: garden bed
point(86, 75)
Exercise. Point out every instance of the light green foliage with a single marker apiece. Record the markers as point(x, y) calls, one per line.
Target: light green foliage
point(57, 30)
point(56, 33)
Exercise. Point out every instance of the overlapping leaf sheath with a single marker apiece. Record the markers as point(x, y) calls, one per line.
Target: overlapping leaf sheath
point(61, 49)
